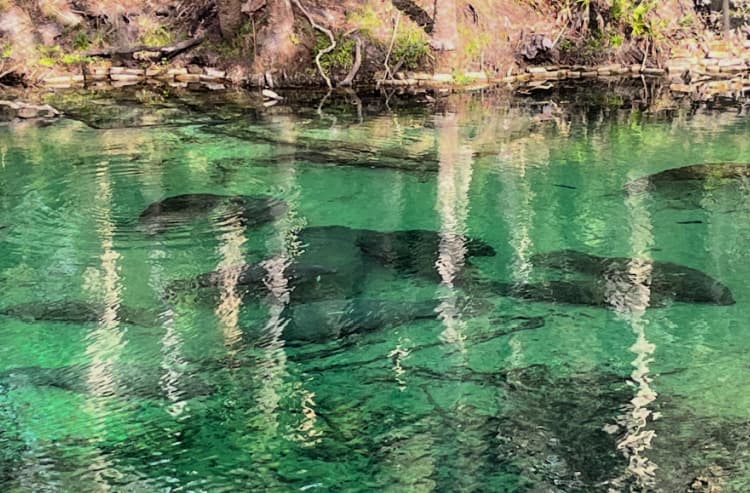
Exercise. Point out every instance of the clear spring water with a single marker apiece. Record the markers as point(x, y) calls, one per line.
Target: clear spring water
point(205, 393)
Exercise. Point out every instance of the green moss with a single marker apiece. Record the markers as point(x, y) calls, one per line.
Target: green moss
point(7, 50)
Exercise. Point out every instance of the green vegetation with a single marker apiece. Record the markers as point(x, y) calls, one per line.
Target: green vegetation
point(411, 47)
point(156, 36)
point(49, 56)
point(341, 58)
point(367, 20)
point(81, 41)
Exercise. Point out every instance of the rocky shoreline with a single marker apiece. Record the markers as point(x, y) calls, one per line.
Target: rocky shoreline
point(701, 69)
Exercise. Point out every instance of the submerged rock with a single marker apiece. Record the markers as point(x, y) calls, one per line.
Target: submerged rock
point(253, 210)
point(665, 280)
point(76, 311)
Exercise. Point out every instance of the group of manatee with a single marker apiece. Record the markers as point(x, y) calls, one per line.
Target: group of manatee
point(324, 281)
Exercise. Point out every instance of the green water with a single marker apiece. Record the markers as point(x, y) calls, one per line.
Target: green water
point(495, 394)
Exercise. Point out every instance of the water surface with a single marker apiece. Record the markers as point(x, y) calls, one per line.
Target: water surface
point(189, 391)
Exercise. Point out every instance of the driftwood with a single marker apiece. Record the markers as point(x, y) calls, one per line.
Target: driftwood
point(162, 52)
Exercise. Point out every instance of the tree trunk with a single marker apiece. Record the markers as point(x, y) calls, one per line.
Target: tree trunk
point(445, 30)
point(230, 17)
point(725, 10)
point(276, 46)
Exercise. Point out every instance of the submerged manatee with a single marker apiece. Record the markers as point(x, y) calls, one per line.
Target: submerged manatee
point(76, 311)
point(304, 282)
point(694, 186)
point(666, 280)
point(577, 292)
point(698, 172)
point(127, 381)
point(252, 210)
point(328, 320)
point(414, 251)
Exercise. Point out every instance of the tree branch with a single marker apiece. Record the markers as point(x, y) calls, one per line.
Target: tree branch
point(322, 52)
point(164, 52)
point(357, 63)
point(390, 49)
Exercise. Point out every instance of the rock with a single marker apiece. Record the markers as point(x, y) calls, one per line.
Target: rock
point(18, 109)
point(155, 71)
point(215, 73)
point(686, 88)
point(58, 79)
point(442, 78)
point(536, 70)
point(269, 94)
point(126, 77)
point(212, 86)
point(187, 77)
point(538, 48)
point(177, 71)
point(719, 54)
point(194, 69)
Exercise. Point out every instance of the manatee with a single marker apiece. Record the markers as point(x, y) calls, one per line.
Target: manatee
point(129, 381)
point(304, 282)
point(252, 210)
point(666, 281)
point(697, 172)
point(404, 249)
point(414, 251)
point(328, 320)
point(577, 292)
point(76, 311)
point(695, 186)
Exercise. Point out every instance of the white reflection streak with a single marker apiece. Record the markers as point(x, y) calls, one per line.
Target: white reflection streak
point(453, 183)
point(630, 297)
point(230, 300)
point(106, 340)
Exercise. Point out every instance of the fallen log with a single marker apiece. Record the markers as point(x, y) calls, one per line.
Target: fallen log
point(161, 52)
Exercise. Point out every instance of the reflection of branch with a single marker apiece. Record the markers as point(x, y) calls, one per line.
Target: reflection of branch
point(322, 52)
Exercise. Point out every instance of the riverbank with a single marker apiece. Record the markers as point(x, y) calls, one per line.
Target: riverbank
point(364, 44)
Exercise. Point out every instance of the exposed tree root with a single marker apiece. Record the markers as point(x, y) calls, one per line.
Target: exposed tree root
point(357, 63)
point(322, 52)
